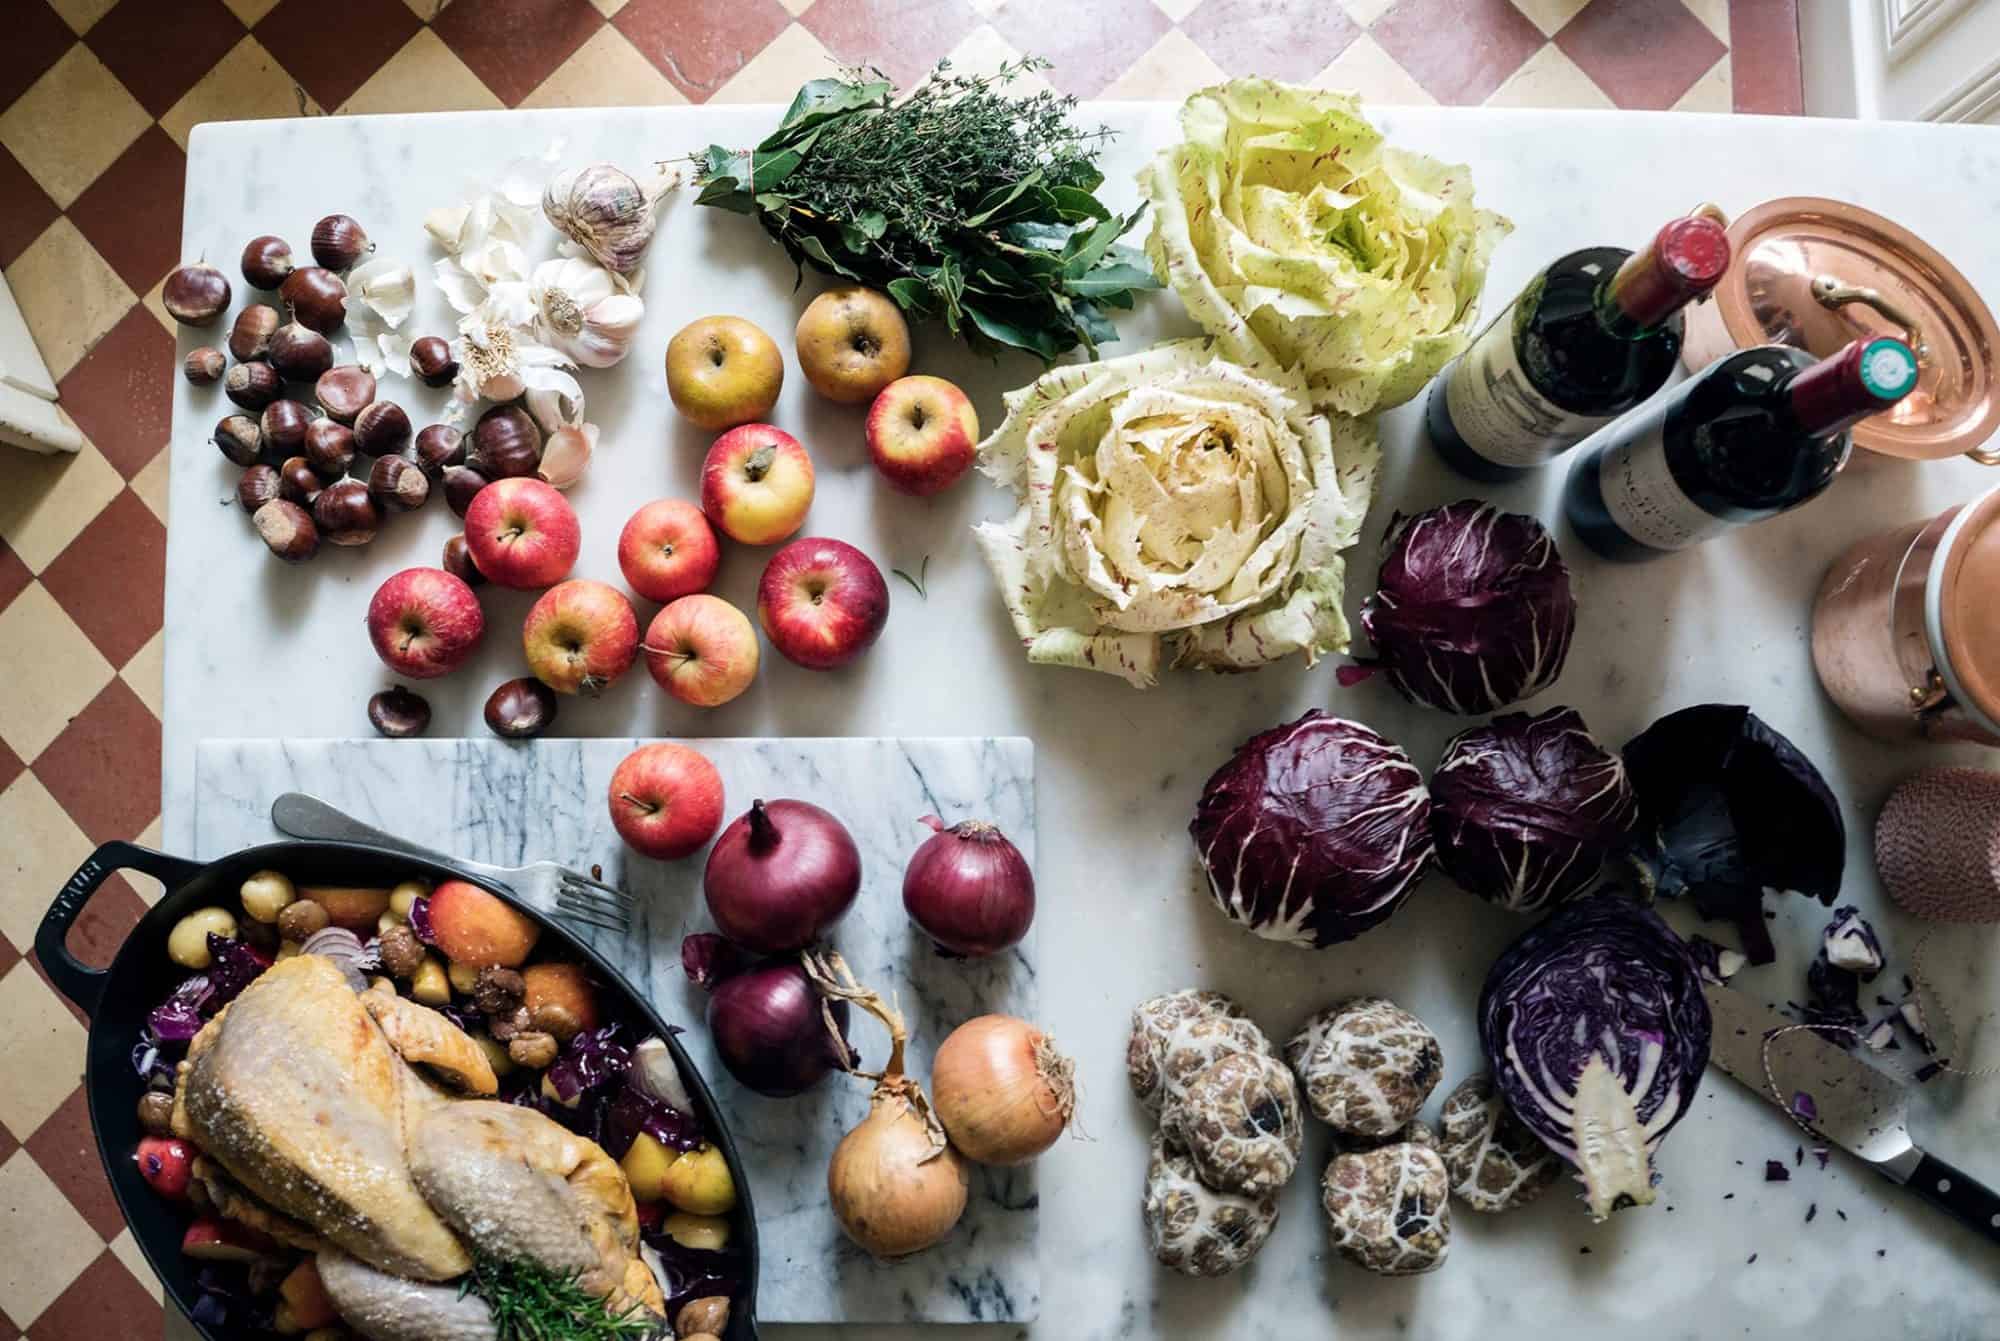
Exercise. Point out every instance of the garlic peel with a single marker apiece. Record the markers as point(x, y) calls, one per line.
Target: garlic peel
point(566, 454)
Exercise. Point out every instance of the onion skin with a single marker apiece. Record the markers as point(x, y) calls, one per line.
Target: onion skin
point(1002, 1091)
point(969, 889)
point(769, 1030)
point(780, 876)
point(891, 1191)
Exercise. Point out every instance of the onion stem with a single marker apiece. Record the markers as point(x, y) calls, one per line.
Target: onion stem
point(828, 972)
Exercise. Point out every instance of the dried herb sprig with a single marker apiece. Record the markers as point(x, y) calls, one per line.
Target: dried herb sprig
point(531, 1303)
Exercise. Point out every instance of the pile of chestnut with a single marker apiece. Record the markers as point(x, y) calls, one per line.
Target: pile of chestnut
point(323, 458)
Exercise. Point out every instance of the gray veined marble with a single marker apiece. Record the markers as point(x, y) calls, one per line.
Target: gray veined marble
point(491, 801)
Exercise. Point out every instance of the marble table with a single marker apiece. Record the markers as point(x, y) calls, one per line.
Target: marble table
point(257, 649)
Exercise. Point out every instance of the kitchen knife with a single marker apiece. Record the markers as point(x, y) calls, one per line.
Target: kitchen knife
point(1845, 1102)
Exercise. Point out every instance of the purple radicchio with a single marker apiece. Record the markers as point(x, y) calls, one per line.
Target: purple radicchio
point(1526, 809)
point(1314, 831)
point(1472, 609)
point(1596, 1031)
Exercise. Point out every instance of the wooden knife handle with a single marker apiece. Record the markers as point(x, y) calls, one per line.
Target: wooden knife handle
point(1958, 1194)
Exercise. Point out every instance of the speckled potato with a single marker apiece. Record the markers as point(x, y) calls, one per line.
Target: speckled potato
point(265, 894)
point(1239, 1121)
point(1193, 1228)
point(1389, 1209)
point(1153, 1025)
point(1366, 1065)
point(1494, 1161)
point(187, 943)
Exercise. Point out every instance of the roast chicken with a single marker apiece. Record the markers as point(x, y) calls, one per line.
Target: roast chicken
point(318, 1126)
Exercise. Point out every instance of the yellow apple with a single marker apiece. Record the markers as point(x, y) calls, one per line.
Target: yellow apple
point(852, 342)
point(723, 371)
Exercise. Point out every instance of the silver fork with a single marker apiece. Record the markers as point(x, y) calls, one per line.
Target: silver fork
point(544, 886)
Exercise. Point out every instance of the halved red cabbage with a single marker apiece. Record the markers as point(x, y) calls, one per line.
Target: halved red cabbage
point(1314, 831)
point(180, 1017)
point(1596, 1031)
point(233, 966)
point(1526, 809)
point(1472, 609)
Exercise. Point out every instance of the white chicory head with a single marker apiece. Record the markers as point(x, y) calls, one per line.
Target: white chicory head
point(1293, 234)
point(1177, 507)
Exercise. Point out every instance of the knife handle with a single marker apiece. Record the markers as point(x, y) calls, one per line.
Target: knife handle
point(1958, 1194)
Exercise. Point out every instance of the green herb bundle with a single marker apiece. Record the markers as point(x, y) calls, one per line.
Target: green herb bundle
point(531, 1303)
point(961, 202)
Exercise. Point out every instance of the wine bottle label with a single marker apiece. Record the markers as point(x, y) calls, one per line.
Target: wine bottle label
point(1641, 495)
point(1498, 411)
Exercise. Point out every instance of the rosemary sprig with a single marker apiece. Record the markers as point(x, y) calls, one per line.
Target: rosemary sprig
point(530, 1303)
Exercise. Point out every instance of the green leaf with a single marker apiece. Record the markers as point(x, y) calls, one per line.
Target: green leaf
point(823, 99)
point(998, 199)
point(912, 295)
point(816, 249)
point(1073, 204)
point(872, 223)
point(774, 168)
point(1033, 339)
point(1110, 278)
point(1094, 323)
point(1039, 236)
point(726, 193)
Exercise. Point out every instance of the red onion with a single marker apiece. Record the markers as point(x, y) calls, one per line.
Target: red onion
point(969, 889)
point(780, 876)
point(771, 1027)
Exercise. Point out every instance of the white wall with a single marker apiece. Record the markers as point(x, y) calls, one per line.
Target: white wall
point(1946, 66)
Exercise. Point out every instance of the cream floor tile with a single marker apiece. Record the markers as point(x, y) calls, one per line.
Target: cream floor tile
point(606, 71)
point(1714, 15)
point(250, 11)
point(986, 9)
point(80, 15)
point(41, 1050)
point(68, 294)
point(151, 484)
point(793, 7)
point(145, 886)
point(1549, 79)
point(33, 1211)
point(425, 76)
point(1367, 69)
point(1713, 92)
point(144, 670)
point(983, 51)
point(71, 124)
point(1365, 12)
point(1551, 15)
point(45, 501)
point(248, 84)
point(157, 306)
point(775, 73)
point(126, 1249)
point(1170, 70)
point(1177, 9)
point(51, 671)
point(43, 848)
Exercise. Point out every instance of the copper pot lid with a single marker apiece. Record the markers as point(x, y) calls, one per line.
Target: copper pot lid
point(1959, 609)
point(1817, 274)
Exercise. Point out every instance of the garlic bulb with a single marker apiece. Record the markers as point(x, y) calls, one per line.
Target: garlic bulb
point(607, 213)
point(566, 453)
point(584, 310)
point(499, 362)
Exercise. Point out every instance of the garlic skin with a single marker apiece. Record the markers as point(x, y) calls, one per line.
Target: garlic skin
point(608, 213)
point(381, 294)
point(584, 310)
point(498, 361)
point(566, 454)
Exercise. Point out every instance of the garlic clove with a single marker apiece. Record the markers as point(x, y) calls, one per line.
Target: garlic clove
point(551, 410)
point(446, 225)
point(566, 454)
point(386, 287)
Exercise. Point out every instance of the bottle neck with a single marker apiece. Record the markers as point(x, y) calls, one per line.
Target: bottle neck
point(1683, 262)
point(1838, 392)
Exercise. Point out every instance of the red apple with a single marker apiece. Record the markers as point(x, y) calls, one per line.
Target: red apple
point(167, 1162)
point(921, 432)
point(668, 550)
point(822, 602)
point(424, 622)
point(580, 636)
point(213, 1239)
point(702, 650)
point(666, 800)
point(522, 533)
point(756, 484)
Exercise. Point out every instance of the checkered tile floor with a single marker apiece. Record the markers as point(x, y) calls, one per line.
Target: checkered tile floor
point(96, 100)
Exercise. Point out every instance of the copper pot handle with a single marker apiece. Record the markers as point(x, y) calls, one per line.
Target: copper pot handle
point(1834, 294)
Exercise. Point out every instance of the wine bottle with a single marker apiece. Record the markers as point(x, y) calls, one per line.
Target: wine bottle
point(1594, 334)
point(1755, 433)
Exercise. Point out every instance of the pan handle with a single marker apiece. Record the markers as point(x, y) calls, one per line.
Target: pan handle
point(75, 979)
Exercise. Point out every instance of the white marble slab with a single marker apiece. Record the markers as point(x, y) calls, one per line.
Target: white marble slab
point(509, 804)
point(256, 649)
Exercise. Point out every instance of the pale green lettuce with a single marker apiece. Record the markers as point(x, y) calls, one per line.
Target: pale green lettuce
point(1175, 508)
point(1294, 235)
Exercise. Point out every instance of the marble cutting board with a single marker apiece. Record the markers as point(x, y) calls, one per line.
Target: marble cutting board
point(492, 801)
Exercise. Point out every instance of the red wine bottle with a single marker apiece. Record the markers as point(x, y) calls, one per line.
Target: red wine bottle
point(1590, 337)
point(1753, 434)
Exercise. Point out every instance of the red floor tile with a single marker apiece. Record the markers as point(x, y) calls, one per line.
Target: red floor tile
point(1764, 62)
point(905, 39)
point(105, 1301)
point(8, 1145)
point(1091, 45)
point(105, 922)
point(513, 45)
point(331, 52)
point(699, 58)
point(8, 1331)
point(160, 51)
point(10, 768)
point(25, 209)
point(66, 1149)
point(1459, 50)
point(14, 575)
point(1640, 52)
point(9, 957)
point(112, 577)
point(36, 39)
point(1285, 39)
point(132, 214)
point(121, 392)
point(104, 768)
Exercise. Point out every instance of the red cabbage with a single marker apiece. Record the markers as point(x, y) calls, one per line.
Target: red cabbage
point(694, 1273)
point(1314, 831)
point(593, 1058)
point(420, 922)
point(632, 1111)
point(233, 966)
point(1526, 809)
point(180, 1017)
point(1472, 609)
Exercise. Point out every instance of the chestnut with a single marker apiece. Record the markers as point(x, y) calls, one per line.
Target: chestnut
point(329, 447)
point(250, 334)
point(299, 353)
point(258, 486)
point(397, 712)
point(521, 708)
point(505, 443)
point(316, 298)
point(195, 295)
point(266, 261)
point(240, 439)
point(432, 360)
point(438, 446)
point(346, 513)
point(298, 481)
point(458, 561)
point(287, 529)
point(397, 485)
point(253, 385)
point(381, 428)
point(461, 483)
point(284, 424)
point(345, 391)
point(338, 242)
point(204, 366)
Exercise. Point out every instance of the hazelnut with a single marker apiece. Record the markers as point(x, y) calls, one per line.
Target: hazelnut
point(709, 1314)
point(532, 1049)
point(499, 991)
point(396, 484)
point(252, 385)
point(240, 439)
point(506, 1028)
point(300, 919)
point(287, 530)
point(204, 366)
point(258, 486)
point(402, 952)
point(559, 1021)
point(156, 1113)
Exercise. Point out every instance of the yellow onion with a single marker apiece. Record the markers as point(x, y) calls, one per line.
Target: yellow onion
point(1002, 1091)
